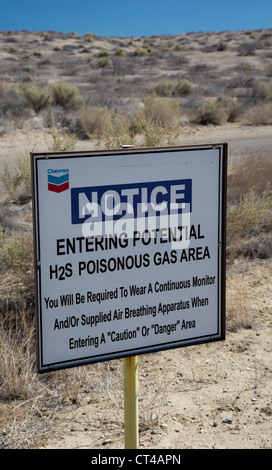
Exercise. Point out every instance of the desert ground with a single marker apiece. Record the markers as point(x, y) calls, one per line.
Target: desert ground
point(212, 396)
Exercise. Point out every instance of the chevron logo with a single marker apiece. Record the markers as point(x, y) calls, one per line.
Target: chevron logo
point(58, 180)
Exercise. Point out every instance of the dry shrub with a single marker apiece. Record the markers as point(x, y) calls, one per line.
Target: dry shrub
point(161, 110)
point(237, 303)
point(31, 401)
point(247, 48)
point(17, 332)
point(16, 272)
point(120, 52)
point(249, 224)
point(154, 126)
point(62, 140)
point(140, 52)
point(217, 112)
point(156, 134)
point(210, 113)
point(25, 424)
point(153, 133)
point(17, 356)
point(259, 245)
point(263, 91)
point(16, 179)
point(148, 127)
point(172, 88)
point(33, 96)
point(260, 114)
point(104, 62)
point(249, 215)
point(92, 122)
point(115, 132)
point(16, 253)
point(67, 96)
point(252, 173)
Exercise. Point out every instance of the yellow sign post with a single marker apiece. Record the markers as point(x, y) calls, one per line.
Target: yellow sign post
point(131, 402)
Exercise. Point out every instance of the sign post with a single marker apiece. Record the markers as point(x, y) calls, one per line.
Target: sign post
point(129, 255)
point(131, 402)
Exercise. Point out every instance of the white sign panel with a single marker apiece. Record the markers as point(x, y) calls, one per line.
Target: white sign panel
point(130, 252)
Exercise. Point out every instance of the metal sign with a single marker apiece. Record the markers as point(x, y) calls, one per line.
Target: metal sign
point(129, 252)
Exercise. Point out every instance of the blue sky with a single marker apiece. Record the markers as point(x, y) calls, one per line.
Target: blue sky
point(134, 18)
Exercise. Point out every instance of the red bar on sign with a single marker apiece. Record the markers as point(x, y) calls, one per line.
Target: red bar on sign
point(58, 188)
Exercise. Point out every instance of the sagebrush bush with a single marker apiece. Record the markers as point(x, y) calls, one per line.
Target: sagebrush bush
point(140, 52)
point(178, 47)
point(162, 88)
point(173, 88)
point(66, 96)
point(105, 62)
point(247, 48)
point(61, 139)
point(16, 254)
point(33, 96)
point(210, 113)
point(156, 134)
point(263, 92)
point(120, 52)
point(115, 131)
point(259, 114)
point(103, 54)
point(242, 179)
point(16, 179)
point(17, 370)
point(91, 122)
point(222, 46)
point(12, 50)
point(136, 123)
point(161, 110)
point(248, 212)
point(28, 68)
point(249, 226)
point(152, 132)
point(217, 112)
point(234, 111)
point(183, 87)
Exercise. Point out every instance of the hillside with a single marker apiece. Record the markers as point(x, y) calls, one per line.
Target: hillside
point(122, 71)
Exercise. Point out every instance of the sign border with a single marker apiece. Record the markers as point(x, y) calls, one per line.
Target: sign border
point(221, 265)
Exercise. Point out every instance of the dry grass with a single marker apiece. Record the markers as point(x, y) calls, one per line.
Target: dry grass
point(16, 179)
point(249, 217)
point(252, 173)
point(260, 114)
point(17, 370)
point(238, 306)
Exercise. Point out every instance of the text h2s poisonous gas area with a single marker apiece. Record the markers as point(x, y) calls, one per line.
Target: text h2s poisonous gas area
point(133, 261)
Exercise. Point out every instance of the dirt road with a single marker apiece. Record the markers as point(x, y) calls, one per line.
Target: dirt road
point(243, 140)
